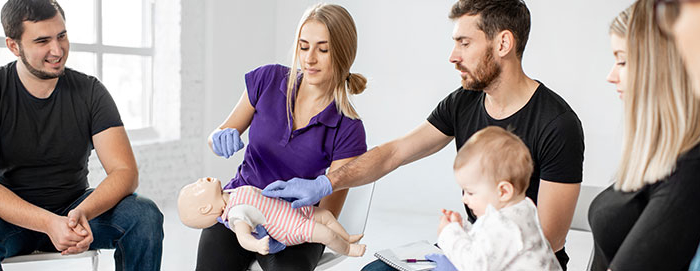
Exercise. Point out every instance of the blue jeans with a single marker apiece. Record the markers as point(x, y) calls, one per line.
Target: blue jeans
point(134, 228)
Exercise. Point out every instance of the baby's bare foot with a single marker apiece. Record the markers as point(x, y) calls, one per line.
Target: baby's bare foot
point(355, 237)
point(357, 250)
point(263, 245)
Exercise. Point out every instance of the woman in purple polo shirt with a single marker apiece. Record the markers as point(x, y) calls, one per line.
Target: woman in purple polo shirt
point(301, 124)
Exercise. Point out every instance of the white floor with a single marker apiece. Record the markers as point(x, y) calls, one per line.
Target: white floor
point(385, 229)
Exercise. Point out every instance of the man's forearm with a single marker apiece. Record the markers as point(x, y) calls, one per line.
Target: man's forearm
point(367, 168)
point(118, 184)
point(17, 211)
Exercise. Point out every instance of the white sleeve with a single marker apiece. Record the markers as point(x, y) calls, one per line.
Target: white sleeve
point(489, 246)
point(246, 213)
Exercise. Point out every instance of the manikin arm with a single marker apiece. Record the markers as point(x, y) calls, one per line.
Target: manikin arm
point(248, 241)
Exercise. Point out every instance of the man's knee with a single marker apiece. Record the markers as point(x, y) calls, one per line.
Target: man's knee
point(145, 216)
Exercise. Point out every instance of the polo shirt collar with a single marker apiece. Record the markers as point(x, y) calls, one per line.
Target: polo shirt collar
point(328, 117)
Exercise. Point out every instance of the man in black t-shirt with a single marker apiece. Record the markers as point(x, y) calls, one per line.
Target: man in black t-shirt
point(51, 117)
point(490, 38)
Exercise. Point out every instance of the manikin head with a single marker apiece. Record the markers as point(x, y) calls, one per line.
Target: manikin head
point(493, 168)
point(487, 34)
point(36, 34)
point(201, 202)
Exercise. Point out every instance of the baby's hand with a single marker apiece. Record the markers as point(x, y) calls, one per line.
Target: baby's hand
point(263, 245)
point(449, 217)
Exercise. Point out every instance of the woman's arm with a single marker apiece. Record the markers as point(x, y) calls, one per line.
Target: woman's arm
point(239, 118)
point(334, 202)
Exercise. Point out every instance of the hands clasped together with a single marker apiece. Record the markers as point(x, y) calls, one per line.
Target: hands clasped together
point(70, 234)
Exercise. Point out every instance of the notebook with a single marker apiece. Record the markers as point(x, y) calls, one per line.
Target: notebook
point(417, 250)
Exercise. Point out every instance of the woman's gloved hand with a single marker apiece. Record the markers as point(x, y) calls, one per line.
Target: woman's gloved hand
point(226, 142)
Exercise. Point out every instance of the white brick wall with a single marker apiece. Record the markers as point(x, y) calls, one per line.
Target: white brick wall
point(175, 157)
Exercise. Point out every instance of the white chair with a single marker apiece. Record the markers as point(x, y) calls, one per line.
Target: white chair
point(579, 225)
point(353, 218)
point(46, 256)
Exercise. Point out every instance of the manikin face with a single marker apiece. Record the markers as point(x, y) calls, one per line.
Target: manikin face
point(479, 190)
point(473, 54)
point(201, 202)
point(618, 73)
point(43, 49)
point(685, 32)
point(314, 54)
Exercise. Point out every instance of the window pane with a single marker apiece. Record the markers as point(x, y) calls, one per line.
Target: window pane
point(6, 56)
point(80, 20)
point(129, 30)
point(127, 78)
point(82, 61)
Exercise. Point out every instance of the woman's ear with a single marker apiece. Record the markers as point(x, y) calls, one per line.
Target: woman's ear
point(205, 209)
point(505, 191)
point(506, 43)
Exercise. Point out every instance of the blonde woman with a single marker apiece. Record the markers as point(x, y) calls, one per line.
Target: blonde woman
point(649, 218)
point(301, 123)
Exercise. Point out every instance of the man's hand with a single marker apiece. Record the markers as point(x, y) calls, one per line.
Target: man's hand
point(443, 264)
point(302, 192)
point(79, 223)
point(226, 142)
point(62, 236)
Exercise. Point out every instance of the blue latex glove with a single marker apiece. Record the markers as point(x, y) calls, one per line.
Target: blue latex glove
point(226, 142)
point(259, 233)
point(443, 264)
point(302, 192)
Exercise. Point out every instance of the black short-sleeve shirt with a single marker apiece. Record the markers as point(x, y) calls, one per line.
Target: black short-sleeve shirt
point(547, 125)
point(654, 228)
point(45, 143)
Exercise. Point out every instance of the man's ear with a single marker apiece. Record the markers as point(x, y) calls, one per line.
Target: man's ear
point(205, 209)
point(13, 45)
point(506, 43)
point(505, 191)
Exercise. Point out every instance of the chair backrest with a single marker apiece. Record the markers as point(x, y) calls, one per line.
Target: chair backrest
point(353, 217)
point(585, 197)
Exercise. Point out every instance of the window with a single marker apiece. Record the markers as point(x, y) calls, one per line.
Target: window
point(113, 40)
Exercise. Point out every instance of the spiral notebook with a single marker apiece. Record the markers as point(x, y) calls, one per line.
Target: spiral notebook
point(395, 257)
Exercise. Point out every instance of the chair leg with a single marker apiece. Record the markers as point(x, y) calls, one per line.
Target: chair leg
point(96, 261)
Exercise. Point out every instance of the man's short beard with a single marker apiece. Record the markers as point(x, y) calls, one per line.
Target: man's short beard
point(486, 72)
point(36, 72)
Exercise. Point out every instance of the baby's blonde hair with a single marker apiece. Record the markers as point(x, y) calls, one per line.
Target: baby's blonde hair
point(503, 157)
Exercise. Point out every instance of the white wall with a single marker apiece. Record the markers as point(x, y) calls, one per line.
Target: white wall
point(403, 50)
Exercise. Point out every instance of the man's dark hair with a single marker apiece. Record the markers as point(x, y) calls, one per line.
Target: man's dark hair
point(14, 12)
point(496, 16)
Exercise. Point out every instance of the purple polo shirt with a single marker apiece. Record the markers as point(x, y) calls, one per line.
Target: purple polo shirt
point(274, 151)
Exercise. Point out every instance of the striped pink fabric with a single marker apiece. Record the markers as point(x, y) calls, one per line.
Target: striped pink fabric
point(285, 224)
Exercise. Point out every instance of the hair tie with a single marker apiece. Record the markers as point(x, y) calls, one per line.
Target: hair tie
point(348, 78)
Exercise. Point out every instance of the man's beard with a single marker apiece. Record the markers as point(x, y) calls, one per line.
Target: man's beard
point(486, 72)
point(36, 72)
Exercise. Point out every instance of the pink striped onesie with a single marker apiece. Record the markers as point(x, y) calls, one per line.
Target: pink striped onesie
point(285, 224)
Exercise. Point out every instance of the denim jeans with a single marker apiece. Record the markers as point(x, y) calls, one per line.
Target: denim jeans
point(134, 228)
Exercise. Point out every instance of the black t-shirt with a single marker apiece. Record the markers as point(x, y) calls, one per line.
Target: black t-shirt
point(546, 124)
point(654, 228)
point(45, 143)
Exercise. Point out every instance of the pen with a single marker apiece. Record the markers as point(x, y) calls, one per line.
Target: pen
point(415, 260)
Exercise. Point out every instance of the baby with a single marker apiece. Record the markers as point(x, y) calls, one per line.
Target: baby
point(243, 208)
point(493, 168)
